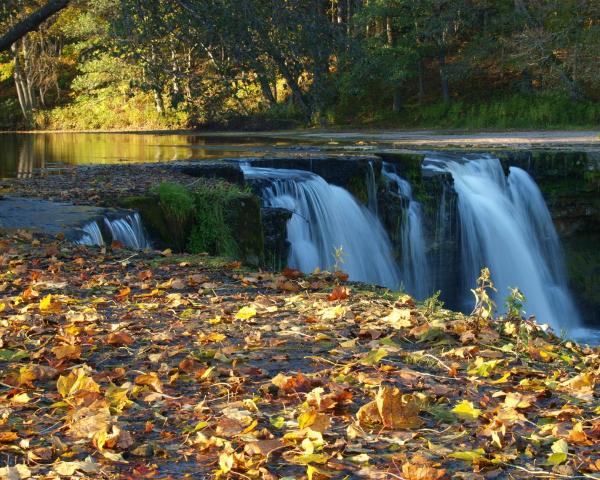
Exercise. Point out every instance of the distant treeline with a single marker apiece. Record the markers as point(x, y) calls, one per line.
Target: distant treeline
point(275, 63)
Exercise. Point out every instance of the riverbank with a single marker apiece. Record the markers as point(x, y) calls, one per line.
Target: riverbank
point(146, 364)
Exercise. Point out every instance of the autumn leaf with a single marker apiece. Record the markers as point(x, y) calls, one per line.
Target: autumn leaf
point(399, 318)
point(292, 273)
point(67, 352)
point(123, 293)
point(419, 468)
point(391, 409)
point(465, 409)
point(151, 380)
point(8, 437)
point(560, 451)
point(68, 469)
point(339, 293)
point(245, 313)
point(15, 472)
point(49, 305)
point(118, 339)
point(373, 357)
point(76, 381)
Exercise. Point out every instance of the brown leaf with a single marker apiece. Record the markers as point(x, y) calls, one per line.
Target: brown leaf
point(264, 447)
point(151, 380)
point(229, 427)
point(292, 273)
point(391, 409)
point(119, 339)
point(419, 468)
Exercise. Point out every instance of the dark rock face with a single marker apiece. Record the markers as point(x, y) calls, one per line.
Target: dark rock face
point(277, 247)
point(244, 221)
point(227, 171)
point(165, 231)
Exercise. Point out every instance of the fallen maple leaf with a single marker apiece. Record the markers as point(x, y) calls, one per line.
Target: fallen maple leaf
point(391, 409)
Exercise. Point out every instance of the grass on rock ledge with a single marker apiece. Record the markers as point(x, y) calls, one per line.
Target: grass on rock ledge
point(123, 365)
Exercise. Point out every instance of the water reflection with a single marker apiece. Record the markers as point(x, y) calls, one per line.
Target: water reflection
point(22, 155)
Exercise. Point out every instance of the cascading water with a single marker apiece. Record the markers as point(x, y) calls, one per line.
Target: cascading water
point(127, 230)
point(505, 225)
point(371, 190)
point(92, 235)
point(326, 217)
point(414, 265)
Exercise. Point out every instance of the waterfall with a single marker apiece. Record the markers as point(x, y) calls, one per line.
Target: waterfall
point(326, 217)
point(127, 230)
point(91, 235)
point(371, 190)
point(505, 225)
point(414, 265)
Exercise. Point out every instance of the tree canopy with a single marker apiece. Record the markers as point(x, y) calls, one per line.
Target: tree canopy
point(185, 63)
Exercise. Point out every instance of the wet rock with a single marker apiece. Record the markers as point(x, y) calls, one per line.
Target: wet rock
point(227, 171)
point(274, 222)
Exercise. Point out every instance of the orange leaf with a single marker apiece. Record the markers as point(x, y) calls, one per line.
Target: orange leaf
point(339, 293)
point(7, 437)
point(67, 352)
point(123, 293)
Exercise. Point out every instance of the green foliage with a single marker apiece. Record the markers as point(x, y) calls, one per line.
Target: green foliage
point(433, 304)
point(517, 111)
point(211, 232)
point(176, 200)
point(514, 304)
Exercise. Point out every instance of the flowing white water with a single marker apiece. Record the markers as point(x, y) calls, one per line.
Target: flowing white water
point(414, 265)
point(506, 226)
point(372, 190)
point(92, 235)
point(127, 230)
point(326, 217)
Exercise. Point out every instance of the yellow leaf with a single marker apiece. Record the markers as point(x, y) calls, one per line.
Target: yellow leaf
point(76, 381)
point(399, 318)
point(465, 409)
point(226, 462)
point(245, 313)
point(21, 398)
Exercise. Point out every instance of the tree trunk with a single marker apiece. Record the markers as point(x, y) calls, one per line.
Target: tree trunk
point(421, 88)
point(20, 83)
point(444, 77)
point(389, 31)
point(158, 101)
point(31, 22)
point(397, 100)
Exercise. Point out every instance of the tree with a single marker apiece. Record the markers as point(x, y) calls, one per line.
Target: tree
point(31, 22)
